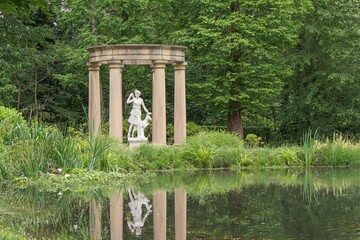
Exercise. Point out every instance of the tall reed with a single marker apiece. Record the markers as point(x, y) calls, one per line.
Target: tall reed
point(98, 145)
point(308, 142)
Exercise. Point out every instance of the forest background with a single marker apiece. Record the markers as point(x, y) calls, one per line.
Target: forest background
point(274, 68)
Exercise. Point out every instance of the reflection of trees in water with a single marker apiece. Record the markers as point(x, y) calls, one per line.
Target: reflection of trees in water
point(275, 204)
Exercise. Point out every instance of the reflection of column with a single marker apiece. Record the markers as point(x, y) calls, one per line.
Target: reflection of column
point(159, 215)
point(116, 216)
point(115, 105)
point(180, 214)
point(94, 97)
point(158, 104)
point(179, 104)
point(95, 220)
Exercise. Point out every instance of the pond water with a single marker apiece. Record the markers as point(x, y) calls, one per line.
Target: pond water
point(256, 204)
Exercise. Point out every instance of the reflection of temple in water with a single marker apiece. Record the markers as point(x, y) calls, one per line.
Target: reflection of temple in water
point(136, 223)
point(137, 200)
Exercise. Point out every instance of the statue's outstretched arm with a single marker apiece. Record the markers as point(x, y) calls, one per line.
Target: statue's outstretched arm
point(130, 98)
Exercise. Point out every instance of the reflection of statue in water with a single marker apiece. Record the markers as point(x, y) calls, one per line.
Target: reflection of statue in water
point(135, 204)
point(136, 124)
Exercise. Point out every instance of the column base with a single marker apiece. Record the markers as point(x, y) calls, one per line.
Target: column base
point(136, 142)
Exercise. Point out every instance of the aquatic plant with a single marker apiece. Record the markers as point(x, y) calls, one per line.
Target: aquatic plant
point(97, 158)
point(308, 141)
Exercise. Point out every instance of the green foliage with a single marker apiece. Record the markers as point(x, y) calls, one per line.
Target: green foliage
point(6, 234)
point(309, 147)
point(42, 150)
point(237, 52)
point(290, 156)
point(215, 139)
point(340, 151)
point(253, 141)
point(9, 120)
point(323, 91)
point(9, 6)
point(246, 159)
point(203, 149)
point(243, 55)
point(191, 130)
point(98, 159)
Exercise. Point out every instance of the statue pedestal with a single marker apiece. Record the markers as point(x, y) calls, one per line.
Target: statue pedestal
point(136, 142)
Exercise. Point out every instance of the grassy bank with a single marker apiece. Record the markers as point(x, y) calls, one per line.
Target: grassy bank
point(33, 150)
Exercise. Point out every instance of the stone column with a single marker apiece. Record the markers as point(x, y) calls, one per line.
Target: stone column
point(180, 214)
point(179, 104)
point(115, 105)
point(94, 98)
point(159, 215)
point(95, 220)
point(158, 104)
point(116, 216)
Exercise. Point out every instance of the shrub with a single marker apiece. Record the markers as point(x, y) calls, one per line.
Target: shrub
point(9, 120)
point(215, 139)
point(253, 141)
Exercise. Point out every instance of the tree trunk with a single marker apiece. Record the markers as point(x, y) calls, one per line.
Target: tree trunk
point(234, 109)
point(235, 119)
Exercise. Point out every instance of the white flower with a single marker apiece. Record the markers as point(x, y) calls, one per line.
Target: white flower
point(59, 170)
point(59, 193)
point(67, 175)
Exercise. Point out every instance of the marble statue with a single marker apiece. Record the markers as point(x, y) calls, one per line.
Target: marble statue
point(135, 205)
point(140, 127)
point(136, 124)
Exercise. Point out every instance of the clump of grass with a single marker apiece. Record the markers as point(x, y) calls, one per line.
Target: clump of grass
point(308, 142)
point(226, 157)
point(289, 156)
point(216, 139)
point(340, 151)
point(6, 234)
point(154, 157)
point(265, 157)
point(211, 149)
point(199, 155)
point(97, 155)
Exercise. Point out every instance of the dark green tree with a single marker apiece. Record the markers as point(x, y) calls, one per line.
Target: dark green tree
point(238, 51)
point(323, 91)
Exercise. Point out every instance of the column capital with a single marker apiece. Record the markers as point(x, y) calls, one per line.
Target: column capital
point(115, 64)
point(179, 66)
point(158, 64)
point(94, 66)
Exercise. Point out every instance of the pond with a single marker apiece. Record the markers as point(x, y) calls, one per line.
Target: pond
point(250, 204)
